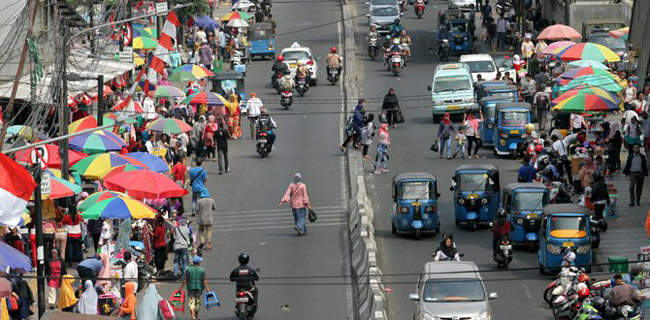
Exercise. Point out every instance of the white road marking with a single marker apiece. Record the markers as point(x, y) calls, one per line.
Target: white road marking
point(527, 292)
point(287, 220)
point(288, 226)
point(282, 217)
point(284, 209)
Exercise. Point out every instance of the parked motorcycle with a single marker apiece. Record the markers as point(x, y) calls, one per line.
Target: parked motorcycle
point(245, 305)
point(373, 48)
point(263, 147)
point(301, 86)
point(286, 99)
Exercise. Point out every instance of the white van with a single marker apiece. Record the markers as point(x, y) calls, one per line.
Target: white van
point(482, 64)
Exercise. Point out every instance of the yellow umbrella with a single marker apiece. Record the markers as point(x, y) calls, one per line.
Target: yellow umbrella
point(144, 43)
point(137, 60)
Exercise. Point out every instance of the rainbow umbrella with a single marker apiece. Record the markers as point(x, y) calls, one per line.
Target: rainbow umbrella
point(145, 43)
point(154, 163)
point(588, 51)
point(604, 82)
point(129, 107)
point(99, 141)
point(189, 72)
point(119, 208)
point(622, 33)
point(582, 72)
point(555, 47)
point(585, 90)
point(587, 63)
point(209, 98)
point(236, 15)
point(60, 188)
point(120, 169)
point(169, 125)
point(97, 197)
point(94, 167)
point(587, 103)
point(168, 92)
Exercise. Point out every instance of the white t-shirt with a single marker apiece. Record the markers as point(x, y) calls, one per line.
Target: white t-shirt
point(253, 106)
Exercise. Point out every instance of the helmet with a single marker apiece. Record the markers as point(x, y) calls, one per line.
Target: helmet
point(598, 302)
point(583, 277)
point(243, 258)
point(539, 148)
point(501, 213)
point(280, 58)
point(530, 127)
point(333, 49)
point(584, 292)
point(534, 135)
point(387, 38)
point(396, 21)
point(396, 41)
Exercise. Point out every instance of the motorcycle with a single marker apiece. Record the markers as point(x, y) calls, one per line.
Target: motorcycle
point(407, 52)
point(301, 86)
point(245, 305)
point(444, 50)
point(503, 256)
point(286, 99)
point(419, 8)
point(266, 8)
point(373, 47)
point(503, 6)
point(235, 59)
point(263, 146)
point(396, 63)
point(333, 75)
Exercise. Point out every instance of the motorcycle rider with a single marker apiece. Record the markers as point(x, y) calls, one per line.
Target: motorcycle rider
point(502, 228)
point(333, 60)
point(372, 33)
point(386, 46)
point(265, 123)
point(444, 35)
point(405, 39)
point(279, 67)
point(286, 83)
point(245, 276)
point(302, 72)
point(396, 29)
point(447, 251)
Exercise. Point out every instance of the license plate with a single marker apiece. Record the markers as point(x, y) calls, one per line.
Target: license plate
point(262, 140)
point(459, 47)
point(453, 107)
point(417, 203)
point(472, 195)
point(293, 65)
point(514, 131)
point(532, 215)
point(242, 300)
point(508, 247)
point(568, 244)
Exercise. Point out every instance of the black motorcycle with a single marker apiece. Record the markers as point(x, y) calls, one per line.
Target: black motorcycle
point(373, 48)
point(263, 144)
point(245, 304)
point(301, 86)
point(444, 50)
point(333, 75)
point(286, 99)
point(503, 255)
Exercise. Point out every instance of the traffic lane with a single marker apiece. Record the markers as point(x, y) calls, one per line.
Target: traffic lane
point(410, 152)
point(247, 217)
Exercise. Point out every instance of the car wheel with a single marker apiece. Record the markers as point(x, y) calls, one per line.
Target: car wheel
point(313, 82)
point(436, 119)
point(393, 230)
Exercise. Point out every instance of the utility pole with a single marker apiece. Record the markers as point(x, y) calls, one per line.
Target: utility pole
point(567, 12)
point(65, 169)
point(40, 254)
point(100, 100)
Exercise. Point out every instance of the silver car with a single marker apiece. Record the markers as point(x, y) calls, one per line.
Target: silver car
point(383, 17)
point(451, 290)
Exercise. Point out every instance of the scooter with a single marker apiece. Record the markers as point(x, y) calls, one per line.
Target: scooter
point(301, 86)
point(396, 63)
point(407, 52)
point(263, 147)
point(286, 99)
point(444, 50)
point(235, 59)
point(419, 8)
point(245, 305)
point(333, 76)
point(372, 48)
point(503, 256)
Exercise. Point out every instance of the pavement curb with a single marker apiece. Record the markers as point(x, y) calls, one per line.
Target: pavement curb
point(369, 297)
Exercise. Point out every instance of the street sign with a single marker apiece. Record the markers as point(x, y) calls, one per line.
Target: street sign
point(45, 184)
point(126, 55)
point(40, 155)
point(161, 7)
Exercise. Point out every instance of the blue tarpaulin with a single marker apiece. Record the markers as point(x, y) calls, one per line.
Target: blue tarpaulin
point(205, 22)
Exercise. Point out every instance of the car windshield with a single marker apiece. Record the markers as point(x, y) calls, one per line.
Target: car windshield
point(458, 27)
point(383, 2)
point(568, 227)
point(506, 94)
point(414, 190)
point(473, 182)
point(513, 118)
point(489, 110)
point(452, 83)
point(385, 12)
point(608, 41)
point(504, 62)
point(295, 55)
point(453, 290)
point(480, 66)
point(261, 34)
point(528, 201)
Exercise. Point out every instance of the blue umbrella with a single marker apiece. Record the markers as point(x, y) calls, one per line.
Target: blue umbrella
point(12, 258)
point(154, 163)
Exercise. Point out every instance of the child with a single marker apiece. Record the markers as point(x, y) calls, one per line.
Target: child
point(460, 142)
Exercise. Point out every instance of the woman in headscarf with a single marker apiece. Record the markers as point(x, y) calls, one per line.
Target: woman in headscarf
point(54, 270)
point(148, 308)
point(446, 131)
point(614, 143)
point(234, 117)
point(391, 107)
point(473, 133)
point(383, 141)
point(88, 300)
point(127, 309)
point(208, 137)
point(196, 136)
point(67, 299)
point(296, 196)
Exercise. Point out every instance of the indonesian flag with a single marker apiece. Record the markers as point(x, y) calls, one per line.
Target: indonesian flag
point(16, 187)
point(165, 44)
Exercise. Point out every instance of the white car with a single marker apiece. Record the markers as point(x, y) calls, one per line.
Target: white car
point(482, 64)
point(297, 53)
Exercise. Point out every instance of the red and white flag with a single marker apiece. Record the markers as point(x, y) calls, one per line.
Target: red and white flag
point(165, 44)
point(16, 188)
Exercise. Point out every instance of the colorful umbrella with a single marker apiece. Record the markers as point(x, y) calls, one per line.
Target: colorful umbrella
point(25, 132)
point(119, 208)
point(237, 23)
point(12, 258)
point(604, 82)
point(144, 31)
point(558, 32)
point(154, 163)
point(53, 157)
point(588, 51)
point(94, 167)
point(142, 84)
point(120, 169)
point(582, 72)
point(60, 188)
point(587, 63)
point(97, 142)
point(209, 98)
point(145, 184)
point(585, 90)
point(587, 103)
point(236, 15)
point(189, 72)
point(130, 107)
point(169, 125)
point(97, 197)
point(555, 47)
point(168, 92)
point(145, 43)
point(622, 33)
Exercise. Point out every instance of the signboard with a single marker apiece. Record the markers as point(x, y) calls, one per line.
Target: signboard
point(40, 155)
point(126, 55)
point(45, 184)
point(161, 7)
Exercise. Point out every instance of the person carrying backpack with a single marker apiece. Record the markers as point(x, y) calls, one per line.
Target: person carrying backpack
point(541, 102)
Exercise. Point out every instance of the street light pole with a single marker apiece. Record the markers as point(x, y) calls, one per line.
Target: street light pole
point(65, 170)
point(100, 100)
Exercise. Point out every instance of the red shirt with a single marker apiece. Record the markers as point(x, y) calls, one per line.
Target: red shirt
point(179, 170)
point(67, 221)
point(159, 236)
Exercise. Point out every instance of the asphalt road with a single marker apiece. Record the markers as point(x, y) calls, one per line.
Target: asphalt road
point(248, 218)
point(519, 291)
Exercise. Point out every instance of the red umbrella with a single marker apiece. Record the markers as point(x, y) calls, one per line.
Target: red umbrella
point(559, 32)
point(145, 184)
point(53, 158)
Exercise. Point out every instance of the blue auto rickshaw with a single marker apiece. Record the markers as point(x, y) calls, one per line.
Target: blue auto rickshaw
point(476, 194)
point(230, 82)
point(510, 120)
point(480, 86)
point(564, 226)
point(524, 203)
point(262, 40)
point(506, 91)
point(486, 127)
point(460, 38)
point(414, 204)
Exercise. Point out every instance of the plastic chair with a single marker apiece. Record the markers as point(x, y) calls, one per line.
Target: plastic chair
point(177, 300)
point(211, 300)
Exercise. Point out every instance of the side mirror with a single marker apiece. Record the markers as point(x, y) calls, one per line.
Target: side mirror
point(502, 69)
point(414, 297)
point(429, 88)
point(493, 295)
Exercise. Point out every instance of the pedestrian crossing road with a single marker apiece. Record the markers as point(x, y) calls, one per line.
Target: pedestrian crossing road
point(275, 219)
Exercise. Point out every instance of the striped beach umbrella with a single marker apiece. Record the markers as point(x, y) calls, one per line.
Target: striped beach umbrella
point(94, 167)
point(189, 72)
point(588, 51)
point(99, 141)
point(169, 125)
point(97, 197)
point(119, 208)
